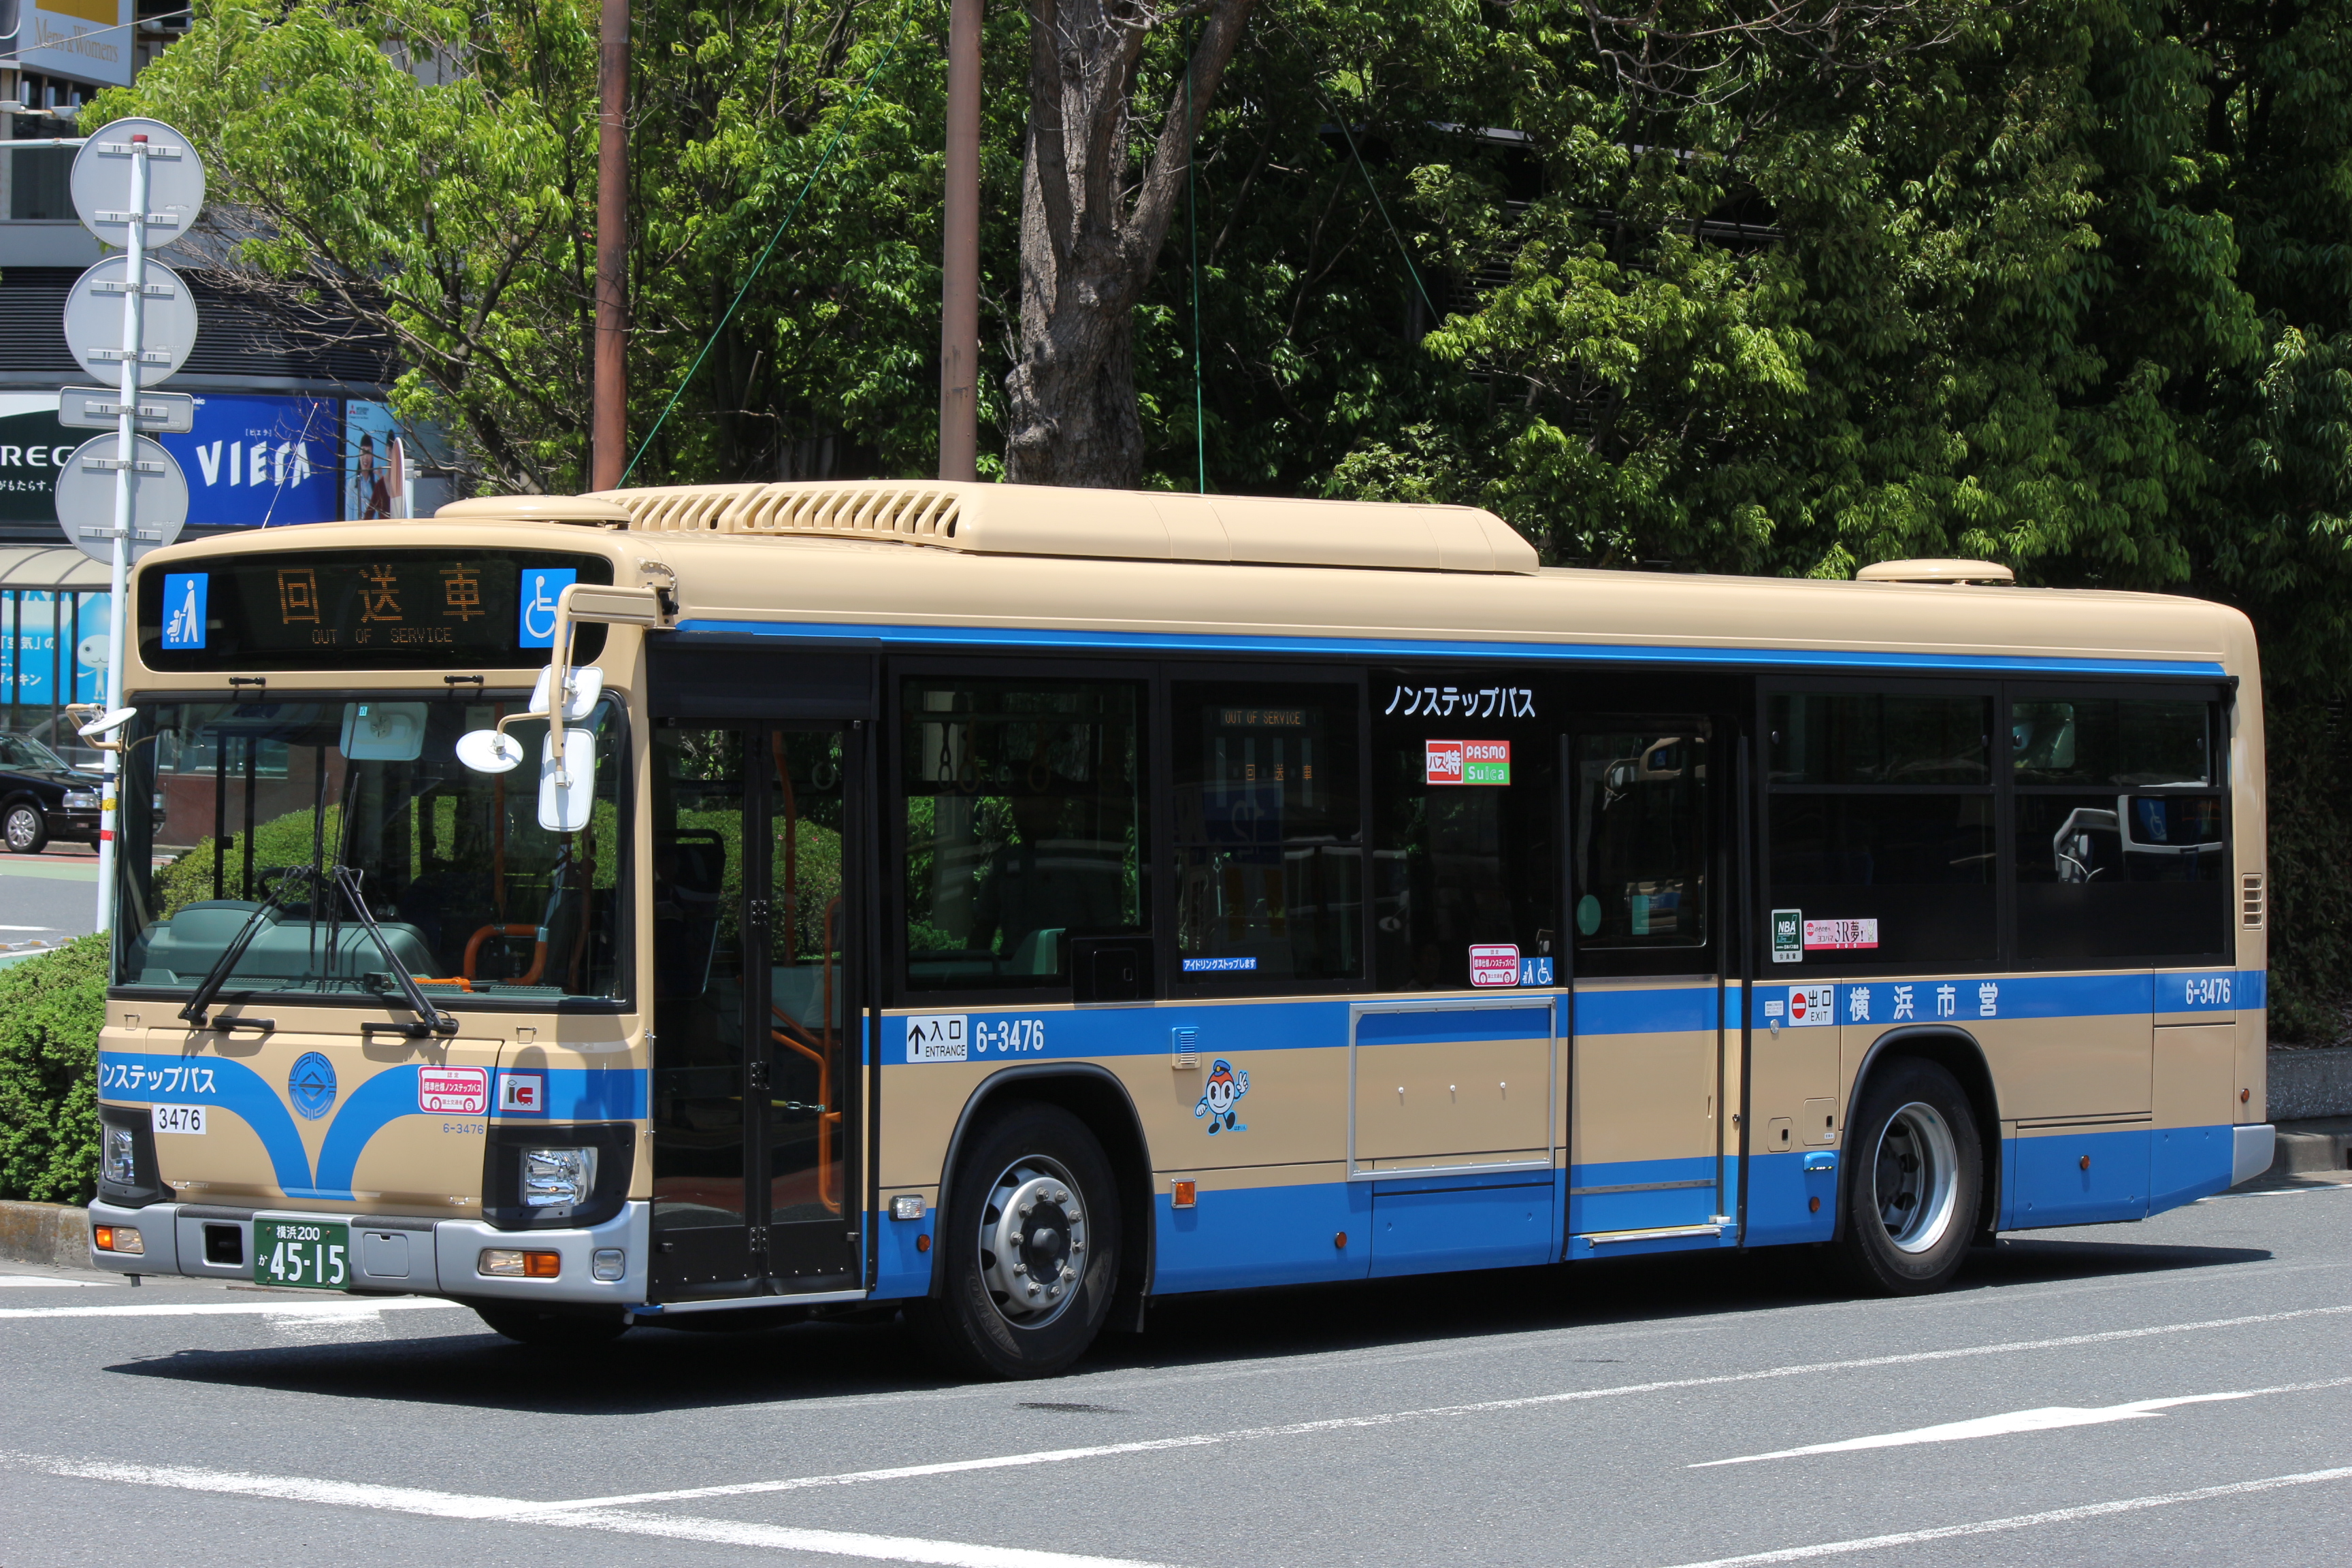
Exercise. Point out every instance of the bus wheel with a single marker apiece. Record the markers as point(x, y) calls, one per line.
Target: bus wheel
point(1914, 1180)
point(557, 1329)
point(1031, 1239)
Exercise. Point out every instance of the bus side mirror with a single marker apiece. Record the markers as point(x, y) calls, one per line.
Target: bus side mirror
point(567, 784)
point(490, 751)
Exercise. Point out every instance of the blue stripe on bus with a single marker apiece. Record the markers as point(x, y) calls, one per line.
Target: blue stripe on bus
point(1975, 1000)
point(1646, 1012)
point(1441, 1025)
point(1450, 648)
point(600, 1094)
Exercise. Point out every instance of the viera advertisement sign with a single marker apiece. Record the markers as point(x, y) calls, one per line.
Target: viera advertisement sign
point(251, 461)
point(89, 40)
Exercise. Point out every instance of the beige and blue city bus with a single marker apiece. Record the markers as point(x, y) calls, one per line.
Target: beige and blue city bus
point(1005, 906)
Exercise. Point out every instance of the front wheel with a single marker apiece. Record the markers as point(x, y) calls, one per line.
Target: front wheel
point(1915, 1182)
point(23, 827)
point(1029, 1237)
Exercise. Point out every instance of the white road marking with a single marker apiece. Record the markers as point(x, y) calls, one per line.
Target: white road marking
point(2027, 1520)
point(1391, 1418)
point(2047, 1419)
point(522, 1511)
point(2283, 1192)
point(297, 1309)
point(13, 1280)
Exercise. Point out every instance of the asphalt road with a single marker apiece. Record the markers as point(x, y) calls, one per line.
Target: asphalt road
point(2177, 1391)
point(48, 897)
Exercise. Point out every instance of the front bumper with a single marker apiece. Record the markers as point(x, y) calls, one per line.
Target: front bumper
point(395, 1255)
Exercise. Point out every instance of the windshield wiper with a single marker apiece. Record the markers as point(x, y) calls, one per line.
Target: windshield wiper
point(434, 1020)
point(218, 973)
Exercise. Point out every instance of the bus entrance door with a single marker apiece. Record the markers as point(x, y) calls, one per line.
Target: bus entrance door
point(754, 999)
point(1647, 1054)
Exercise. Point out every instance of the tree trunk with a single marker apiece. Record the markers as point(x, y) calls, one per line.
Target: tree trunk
point(1091, 230)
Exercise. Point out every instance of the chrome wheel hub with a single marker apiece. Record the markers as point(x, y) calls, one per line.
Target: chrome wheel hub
point(1916, 1177)
point(1033, 1241)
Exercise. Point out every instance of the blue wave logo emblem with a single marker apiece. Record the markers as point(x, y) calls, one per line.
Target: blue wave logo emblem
point(312, 1086)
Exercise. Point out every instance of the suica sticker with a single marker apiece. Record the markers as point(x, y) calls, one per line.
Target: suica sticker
point(937, 1038)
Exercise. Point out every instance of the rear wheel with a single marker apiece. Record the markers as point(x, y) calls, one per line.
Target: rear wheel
point(1031, 1239)
point(1916, 1179)
point(23, 827)
point(553, 1327)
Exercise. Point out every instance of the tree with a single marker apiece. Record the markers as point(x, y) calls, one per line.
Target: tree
point(1094, 214)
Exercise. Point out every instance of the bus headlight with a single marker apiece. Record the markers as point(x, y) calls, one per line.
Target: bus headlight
point(122, 1156)
point(553, 1177)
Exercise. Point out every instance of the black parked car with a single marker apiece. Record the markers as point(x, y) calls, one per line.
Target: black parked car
point(43, 797)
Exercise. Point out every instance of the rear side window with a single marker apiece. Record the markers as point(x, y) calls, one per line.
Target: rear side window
point(2121, 829)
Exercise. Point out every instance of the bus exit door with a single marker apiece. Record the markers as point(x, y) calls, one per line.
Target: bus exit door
point(756, 990)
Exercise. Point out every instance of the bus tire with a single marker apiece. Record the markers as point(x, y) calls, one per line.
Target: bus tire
point(1914, 1183)
point(553, 1328)
point(1029, 1239)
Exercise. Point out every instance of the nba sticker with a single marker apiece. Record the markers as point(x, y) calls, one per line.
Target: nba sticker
point(1495, 963)
point(1812, 1006)
point(522, 1094)
point(1788, 943)
point(937, 1038)
point(1840, 936)
point(1467, 762)
point(460, 1091)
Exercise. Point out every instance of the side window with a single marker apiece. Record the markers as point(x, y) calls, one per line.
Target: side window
point(1465, 863)
point(1269, 846)
point(2122, 834)
point(1638, 821)
point(1023, 821)
point(1880, 824)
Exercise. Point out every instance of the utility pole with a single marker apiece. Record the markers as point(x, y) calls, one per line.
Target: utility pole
point(959, 259)
point(609, 435)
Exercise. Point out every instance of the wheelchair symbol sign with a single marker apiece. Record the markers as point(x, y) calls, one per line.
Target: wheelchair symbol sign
point(541, 586)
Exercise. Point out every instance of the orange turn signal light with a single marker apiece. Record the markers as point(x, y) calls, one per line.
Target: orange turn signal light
point(1186, 1194)
point(513, 1263)
point(119, 1238)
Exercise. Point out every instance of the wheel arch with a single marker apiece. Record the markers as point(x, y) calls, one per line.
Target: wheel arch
point(1959, 1053)
point(1096, 1097)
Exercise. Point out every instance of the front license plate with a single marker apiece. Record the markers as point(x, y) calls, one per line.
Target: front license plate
point(312, 1253)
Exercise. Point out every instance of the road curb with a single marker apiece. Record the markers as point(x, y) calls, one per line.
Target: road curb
point(54, 1235)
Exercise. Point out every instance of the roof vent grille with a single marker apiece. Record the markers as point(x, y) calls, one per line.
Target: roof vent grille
point(914, 514)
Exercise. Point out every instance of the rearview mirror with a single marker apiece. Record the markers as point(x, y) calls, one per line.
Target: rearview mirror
point(567, 790)
point(581, 687)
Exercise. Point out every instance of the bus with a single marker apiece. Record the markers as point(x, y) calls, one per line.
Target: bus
point(1000, 907)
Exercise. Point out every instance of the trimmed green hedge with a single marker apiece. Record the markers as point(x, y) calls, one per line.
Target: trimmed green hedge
point(51, 1008)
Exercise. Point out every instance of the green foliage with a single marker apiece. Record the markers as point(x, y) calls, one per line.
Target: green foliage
point(51, 1008)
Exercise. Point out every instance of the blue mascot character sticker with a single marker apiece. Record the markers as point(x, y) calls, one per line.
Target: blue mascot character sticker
point(1227, 1085)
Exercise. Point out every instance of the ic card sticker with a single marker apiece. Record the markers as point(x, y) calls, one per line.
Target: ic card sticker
point(1495, 963)
point(937, 1038)
point(1812, 1006)
point(453, 1091)
point(522, 1094)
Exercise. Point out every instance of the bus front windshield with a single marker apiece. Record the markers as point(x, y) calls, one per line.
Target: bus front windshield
point(272, 824)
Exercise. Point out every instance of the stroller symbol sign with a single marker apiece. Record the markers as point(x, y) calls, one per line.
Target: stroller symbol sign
point(542, 587)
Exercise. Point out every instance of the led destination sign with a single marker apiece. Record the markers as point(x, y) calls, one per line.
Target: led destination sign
point(348, 609)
